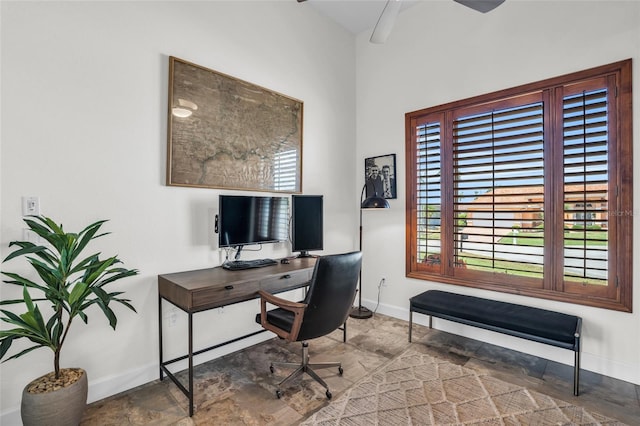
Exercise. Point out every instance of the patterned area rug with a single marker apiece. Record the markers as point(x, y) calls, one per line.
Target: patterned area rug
point(418, 389)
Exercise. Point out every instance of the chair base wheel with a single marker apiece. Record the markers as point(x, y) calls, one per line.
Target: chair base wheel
point(340, 370)
point(279, 394)
point(328, 395)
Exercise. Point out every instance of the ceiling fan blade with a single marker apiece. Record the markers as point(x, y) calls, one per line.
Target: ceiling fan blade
point(385, 22)
point(483, 6)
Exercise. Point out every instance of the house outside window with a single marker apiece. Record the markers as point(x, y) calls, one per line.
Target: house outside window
point(527, 190)
point(584, 216)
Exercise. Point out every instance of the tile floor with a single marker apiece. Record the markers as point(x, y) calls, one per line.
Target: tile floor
point(239, 388)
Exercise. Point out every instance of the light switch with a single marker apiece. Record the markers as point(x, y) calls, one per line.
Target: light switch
point(30, 206)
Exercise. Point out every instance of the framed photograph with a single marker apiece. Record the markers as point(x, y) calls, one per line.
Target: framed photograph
point(380, 176)
point(227, 133)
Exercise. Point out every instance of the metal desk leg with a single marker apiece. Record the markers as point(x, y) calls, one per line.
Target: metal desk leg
point(190, 364)
point(160, 335)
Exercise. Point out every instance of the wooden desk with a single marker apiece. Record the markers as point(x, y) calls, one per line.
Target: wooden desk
point(200, 290)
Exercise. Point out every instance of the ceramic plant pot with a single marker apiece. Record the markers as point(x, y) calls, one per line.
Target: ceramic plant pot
point(48, 402)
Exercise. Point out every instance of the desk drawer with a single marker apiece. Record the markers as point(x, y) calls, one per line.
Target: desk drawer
point(225, 294)
point(285, 281)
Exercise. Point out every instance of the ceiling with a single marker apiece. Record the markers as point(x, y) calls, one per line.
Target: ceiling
point(354, 15)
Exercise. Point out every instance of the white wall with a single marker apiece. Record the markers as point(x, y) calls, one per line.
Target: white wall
point(84, 101)
point(440, 52)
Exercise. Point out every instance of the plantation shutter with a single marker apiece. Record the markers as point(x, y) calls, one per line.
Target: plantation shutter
point(498, 183)
point(586, 188)
point(428, 190)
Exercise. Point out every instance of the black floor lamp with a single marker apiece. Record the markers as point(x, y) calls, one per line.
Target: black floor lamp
point(373, 202)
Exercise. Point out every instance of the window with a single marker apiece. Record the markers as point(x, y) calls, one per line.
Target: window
point(527, 190)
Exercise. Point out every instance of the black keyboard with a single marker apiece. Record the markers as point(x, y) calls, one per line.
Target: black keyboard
point(239, 265)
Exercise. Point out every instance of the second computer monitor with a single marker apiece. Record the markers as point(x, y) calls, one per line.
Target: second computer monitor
point(306, 224)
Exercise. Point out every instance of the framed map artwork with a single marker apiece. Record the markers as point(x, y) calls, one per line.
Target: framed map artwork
point(227, 133)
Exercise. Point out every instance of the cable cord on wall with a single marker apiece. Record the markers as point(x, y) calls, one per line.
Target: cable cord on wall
point(379, 290)
point(227, 250)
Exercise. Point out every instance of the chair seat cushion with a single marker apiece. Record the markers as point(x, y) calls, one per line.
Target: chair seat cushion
point(280, 318)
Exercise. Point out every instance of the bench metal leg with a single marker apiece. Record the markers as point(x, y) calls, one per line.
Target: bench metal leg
point(410, 324)
point(576, 374)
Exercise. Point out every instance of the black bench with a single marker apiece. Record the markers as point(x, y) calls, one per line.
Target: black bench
point(538, 325)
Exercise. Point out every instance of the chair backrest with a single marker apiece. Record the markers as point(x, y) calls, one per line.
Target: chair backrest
point(331, 294)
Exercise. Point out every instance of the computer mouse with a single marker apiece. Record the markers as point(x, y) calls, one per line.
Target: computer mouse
point(285, 260)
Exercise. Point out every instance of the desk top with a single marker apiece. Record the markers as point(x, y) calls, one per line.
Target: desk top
point(203, 289)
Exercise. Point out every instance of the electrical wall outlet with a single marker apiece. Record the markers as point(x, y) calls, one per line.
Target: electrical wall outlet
point(383, 282)
point(30, 206)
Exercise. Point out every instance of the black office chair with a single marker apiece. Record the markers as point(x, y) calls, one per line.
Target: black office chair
point(324, 309)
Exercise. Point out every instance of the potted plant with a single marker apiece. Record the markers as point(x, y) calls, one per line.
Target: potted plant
point(70, 284)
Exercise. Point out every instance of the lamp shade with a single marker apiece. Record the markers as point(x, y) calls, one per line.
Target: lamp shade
point(374, 202)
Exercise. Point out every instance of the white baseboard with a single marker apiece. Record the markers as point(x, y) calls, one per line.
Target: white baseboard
point(11, 418)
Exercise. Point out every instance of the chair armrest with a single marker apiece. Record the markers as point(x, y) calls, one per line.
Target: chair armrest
point(280, 302)
point(295, 307)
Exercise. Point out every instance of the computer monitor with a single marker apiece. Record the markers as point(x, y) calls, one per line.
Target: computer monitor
point(306, 224)
point(246, 220)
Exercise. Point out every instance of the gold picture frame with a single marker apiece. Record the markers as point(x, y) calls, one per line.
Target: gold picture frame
point(226, 133)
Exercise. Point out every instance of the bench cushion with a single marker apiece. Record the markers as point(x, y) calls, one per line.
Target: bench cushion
point(524, 321)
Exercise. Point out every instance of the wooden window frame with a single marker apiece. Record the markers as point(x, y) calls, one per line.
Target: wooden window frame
point(618, 294)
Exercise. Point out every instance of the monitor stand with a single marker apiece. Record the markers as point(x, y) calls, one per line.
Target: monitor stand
point(238, 250)
point(305, 253)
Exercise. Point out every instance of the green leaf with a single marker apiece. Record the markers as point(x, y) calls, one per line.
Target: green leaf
point(119, 274)
point(43, 231)
point(88, 234)
point(24, 331)
point(27, 248)
point(26, 351)
point(99, 268)
point(5, 344)
point(110, 315)
point(21, 281)
point(83, 264)
point(126, 303)
point(11, 302)
point(27, 299)
point(79, 292)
